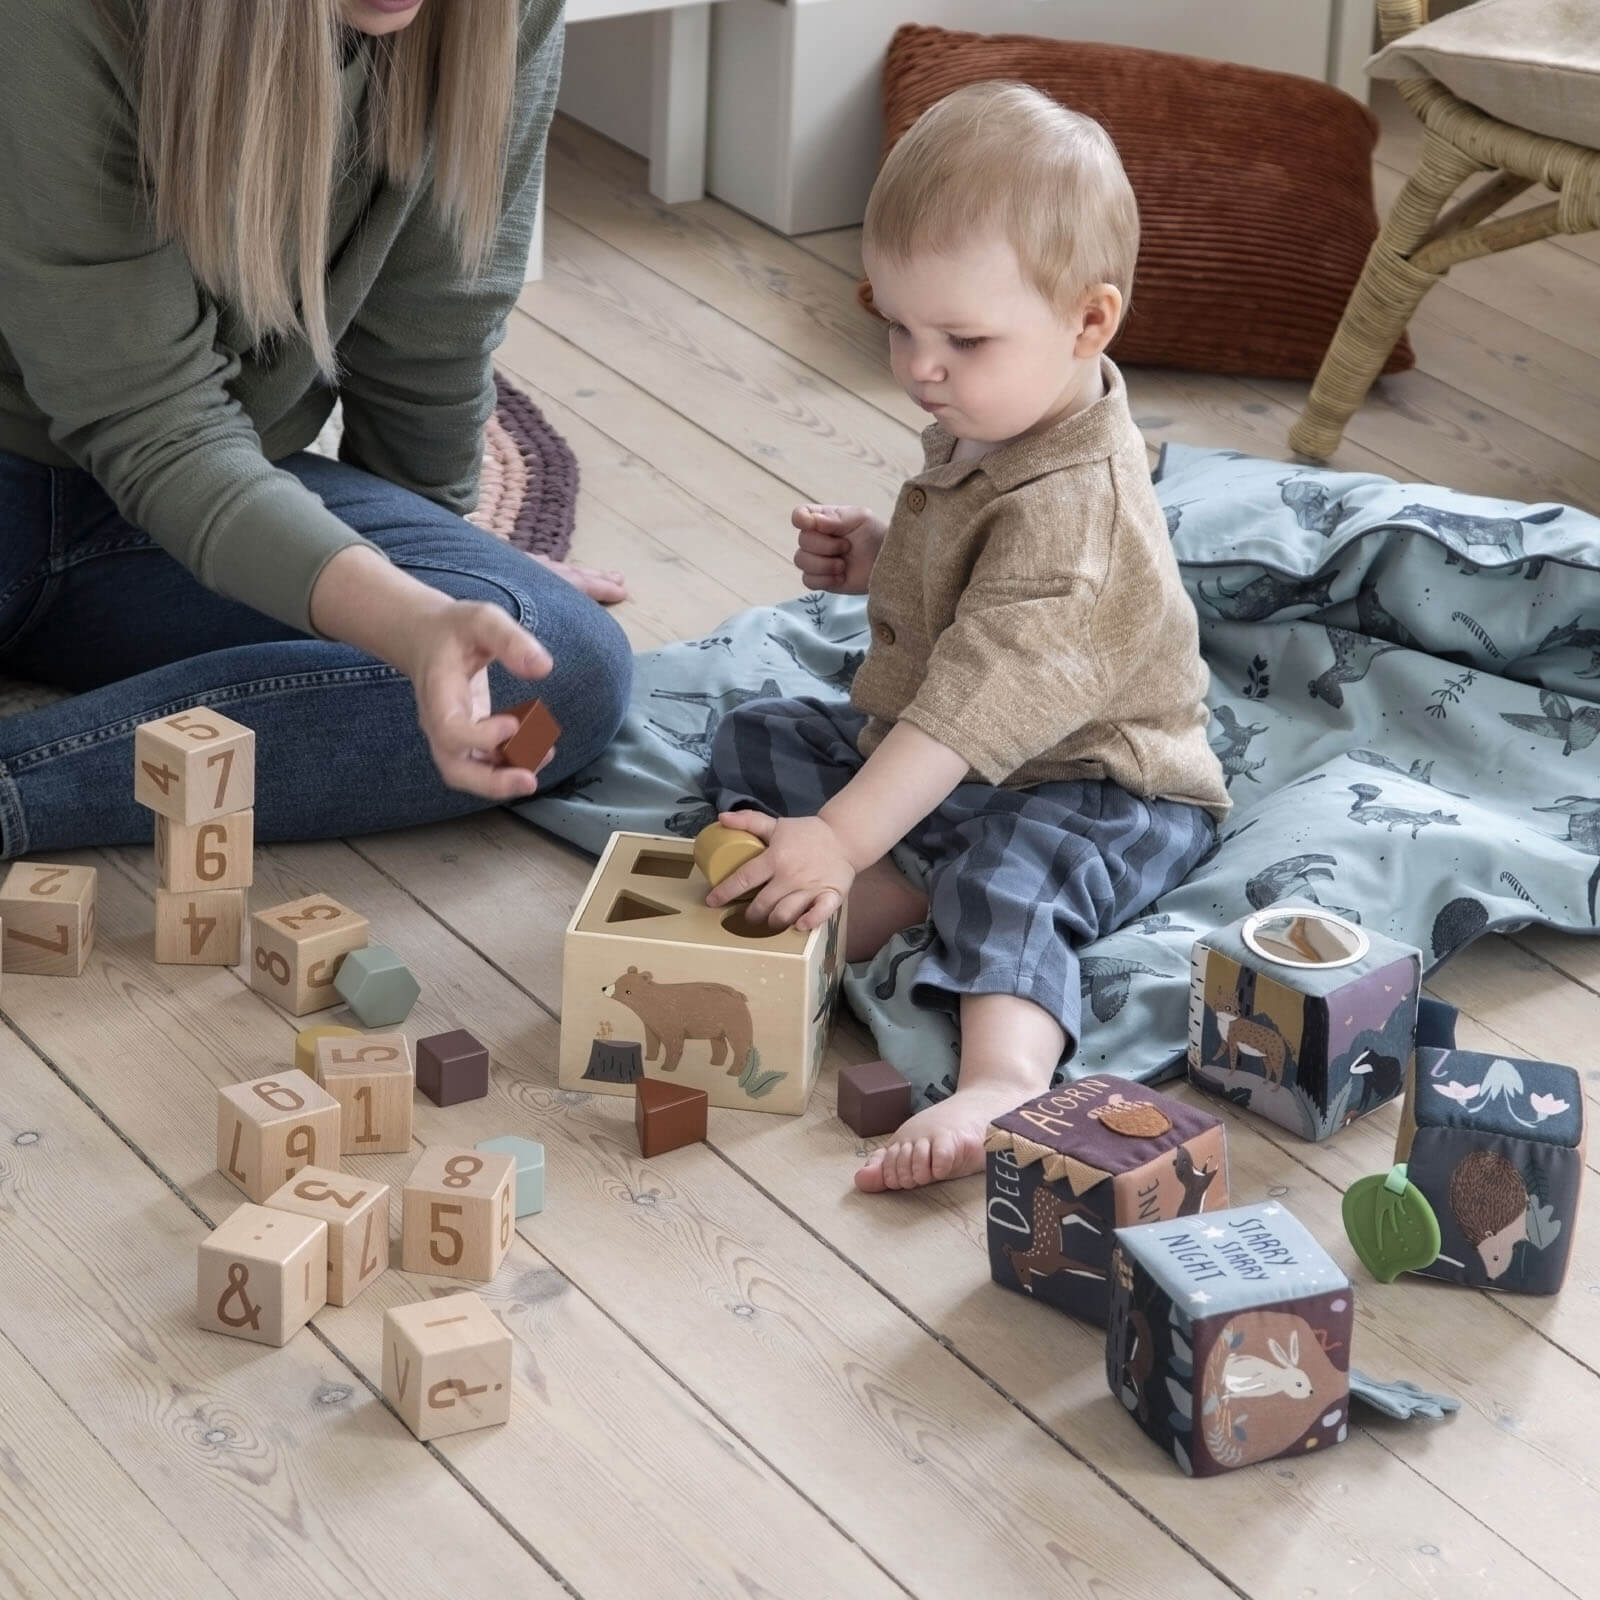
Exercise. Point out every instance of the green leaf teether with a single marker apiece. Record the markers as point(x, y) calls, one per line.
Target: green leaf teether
point(1391, 1224)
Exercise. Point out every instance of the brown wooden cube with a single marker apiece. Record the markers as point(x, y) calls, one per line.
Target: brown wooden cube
point(536, 735)
point(262, 1274)
point(668, 1115)
point(874, 1098)
point(446, 1365)
point(370, 1076)
point(457, 1214)
point(297, 949)
point(47, 918)
point(194, 765)
point(452, 1067)
point(203, 929)
point(218, 854)
point(270, 1128)
point(357, 1214)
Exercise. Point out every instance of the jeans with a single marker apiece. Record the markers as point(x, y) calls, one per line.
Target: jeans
point(90, 603)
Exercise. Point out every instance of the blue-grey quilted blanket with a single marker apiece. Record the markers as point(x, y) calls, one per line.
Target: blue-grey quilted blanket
point(1405, 697)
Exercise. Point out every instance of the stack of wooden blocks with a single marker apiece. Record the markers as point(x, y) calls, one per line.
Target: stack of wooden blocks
point(197, 771)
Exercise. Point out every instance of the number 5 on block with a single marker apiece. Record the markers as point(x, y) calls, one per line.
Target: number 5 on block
point(456, 1217)
point(194, 765)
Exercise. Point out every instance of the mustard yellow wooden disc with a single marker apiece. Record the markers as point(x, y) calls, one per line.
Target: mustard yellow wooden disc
point(305, 1043)
point(719, 850)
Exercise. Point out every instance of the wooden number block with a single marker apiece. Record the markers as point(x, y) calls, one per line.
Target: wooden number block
point(536, 735)
point(218, 854)
point(357, 1214)
point(456, 1220)
point(297, 950)
point(194, 765)
point(47, 918)
point(371, 1078)
point(200, 930)
point(269, 1128)
point(262, 1274)
point(305, 1043)
point(446, 1365)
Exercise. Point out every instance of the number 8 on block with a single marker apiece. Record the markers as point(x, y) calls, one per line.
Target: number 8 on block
point(194, 765)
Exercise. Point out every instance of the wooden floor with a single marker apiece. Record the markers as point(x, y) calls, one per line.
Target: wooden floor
point(734, 1377)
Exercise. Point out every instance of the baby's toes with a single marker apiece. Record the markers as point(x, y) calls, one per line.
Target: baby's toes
point(922, 1162)
point(897, 1165)
point(946, 1148)
point(870, 1177)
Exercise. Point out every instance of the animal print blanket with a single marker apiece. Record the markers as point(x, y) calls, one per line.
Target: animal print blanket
point(1405, 699)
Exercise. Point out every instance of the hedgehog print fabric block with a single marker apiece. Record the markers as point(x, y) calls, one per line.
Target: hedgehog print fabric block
point(1497, 1146)
point(1229, 1338)
point(1302, 1017)
point(1068, 1168)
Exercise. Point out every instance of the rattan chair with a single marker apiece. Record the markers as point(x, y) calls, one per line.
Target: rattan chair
point(1417, 246)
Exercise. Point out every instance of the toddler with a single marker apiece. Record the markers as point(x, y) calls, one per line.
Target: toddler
point(1030, 715)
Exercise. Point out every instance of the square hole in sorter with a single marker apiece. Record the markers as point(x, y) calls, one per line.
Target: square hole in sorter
point(635, 908)
point(659, 864)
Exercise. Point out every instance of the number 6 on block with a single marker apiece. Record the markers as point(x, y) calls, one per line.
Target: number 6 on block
point(194, 765)
point(457, 1217)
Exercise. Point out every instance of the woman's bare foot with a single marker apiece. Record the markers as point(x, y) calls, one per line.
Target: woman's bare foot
point(882, 902)
point(945, 1141)
point(608, 586)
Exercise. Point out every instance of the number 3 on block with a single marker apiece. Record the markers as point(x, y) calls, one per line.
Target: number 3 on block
point(194, 765)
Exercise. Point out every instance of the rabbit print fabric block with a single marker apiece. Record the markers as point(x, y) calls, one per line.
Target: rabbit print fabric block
point(1302, 1017)
point(1229, 1338)
point(1068, 1168)
point(1497, 1146)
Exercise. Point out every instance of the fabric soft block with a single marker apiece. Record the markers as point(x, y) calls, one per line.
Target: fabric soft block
point(1229, 1337)
point(1496, 1145)
point(1068, 1168)
point(1303, 1017)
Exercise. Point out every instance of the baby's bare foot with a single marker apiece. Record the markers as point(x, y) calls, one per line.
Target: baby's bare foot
point(945, 1141)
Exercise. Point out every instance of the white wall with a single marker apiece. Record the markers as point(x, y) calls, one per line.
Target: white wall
point(606, 80)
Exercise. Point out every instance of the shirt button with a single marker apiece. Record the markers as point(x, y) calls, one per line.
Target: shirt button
point(883, 633)
point(916, 499)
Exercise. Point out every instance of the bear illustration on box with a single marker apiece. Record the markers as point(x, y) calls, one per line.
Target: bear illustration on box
point(1302, 1017)
point(1067, 1168)
point(657, 983)
point(1228, 1340)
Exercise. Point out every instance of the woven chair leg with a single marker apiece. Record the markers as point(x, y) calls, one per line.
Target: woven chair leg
point(1389, 290)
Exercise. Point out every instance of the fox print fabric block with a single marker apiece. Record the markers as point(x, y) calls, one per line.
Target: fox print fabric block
point(1497, 1146)
point(1302, 1017)
point(1229, 1338)
point(1067, 1169)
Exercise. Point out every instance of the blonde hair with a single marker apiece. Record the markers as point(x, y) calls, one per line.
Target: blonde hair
point(1003, 155)
point(239, 123)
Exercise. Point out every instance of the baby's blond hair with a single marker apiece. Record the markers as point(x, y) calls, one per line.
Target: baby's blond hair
point(1003, 155)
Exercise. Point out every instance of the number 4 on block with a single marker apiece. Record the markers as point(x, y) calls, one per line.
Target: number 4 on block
point(194, 765)
point(199, 930)
point(47, 918)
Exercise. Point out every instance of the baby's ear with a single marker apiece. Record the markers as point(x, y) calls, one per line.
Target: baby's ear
point(1099, 317)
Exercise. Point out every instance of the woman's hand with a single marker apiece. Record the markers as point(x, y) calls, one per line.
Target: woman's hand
point(804, 874)
point(837, 546)
point(445, 647)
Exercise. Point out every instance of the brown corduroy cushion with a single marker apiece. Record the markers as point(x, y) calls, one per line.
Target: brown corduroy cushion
point(1254, 189)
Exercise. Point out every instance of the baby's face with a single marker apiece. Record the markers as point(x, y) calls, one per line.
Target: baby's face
point(975, 344)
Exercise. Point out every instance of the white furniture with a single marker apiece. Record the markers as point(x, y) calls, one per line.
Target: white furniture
point(795, 122)
point(678, 58)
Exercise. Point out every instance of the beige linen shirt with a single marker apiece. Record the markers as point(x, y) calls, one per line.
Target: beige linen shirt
point(1026, 611)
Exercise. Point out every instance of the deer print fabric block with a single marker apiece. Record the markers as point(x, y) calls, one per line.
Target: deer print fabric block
point(1303, 1017)
point(1067, 1169)
point(1497, 1147)
point(1229, 1338)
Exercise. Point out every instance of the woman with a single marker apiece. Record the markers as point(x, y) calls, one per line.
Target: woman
point(166, 166)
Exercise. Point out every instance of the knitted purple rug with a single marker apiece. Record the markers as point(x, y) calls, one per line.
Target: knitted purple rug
point(529, 489)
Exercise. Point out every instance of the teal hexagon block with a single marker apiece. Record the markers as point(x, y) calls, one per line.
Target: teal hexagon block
point(529, 1157)
point(377, 985)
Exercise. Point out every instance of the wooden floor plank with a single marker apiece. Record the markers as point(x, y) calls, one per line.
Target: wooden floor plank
point(927, 1252)
point(280, 1471)
point(73, 1522)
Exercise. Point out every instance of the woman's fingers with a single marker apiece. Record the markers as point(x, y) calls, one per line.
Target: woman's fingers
point(478, 777)
point(493, 635)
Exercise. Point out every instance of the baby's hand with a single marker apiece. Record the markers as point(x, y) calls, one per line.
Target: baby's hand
point(838, 545)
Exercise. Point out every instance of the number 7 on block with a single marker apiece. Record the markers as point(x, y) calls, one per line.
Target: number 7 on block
point(194, 765)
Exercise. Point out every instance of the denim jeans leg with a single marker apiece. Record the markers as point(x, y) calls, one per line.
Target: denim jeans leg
point(338, 746)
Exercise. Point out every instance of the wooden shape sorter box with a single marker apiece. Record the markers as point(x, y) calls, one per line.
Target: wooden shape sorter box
point(370, 1076)
point(298, 948)
point(740, 1010)
point(194, 765)
point(47, 918)
point(269, 1128)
